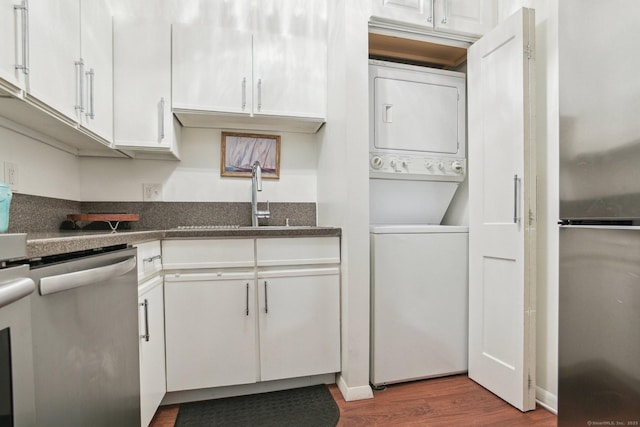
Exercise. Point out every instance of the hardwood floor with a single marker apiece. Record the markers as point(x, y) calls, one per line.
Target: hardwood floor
point(449, 401)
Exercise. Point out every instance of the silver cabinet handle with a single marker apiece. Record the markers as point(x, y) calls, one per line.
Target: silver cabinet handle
point(445, 11)
point(152, 258)
point(23, 8)
point(161, 118)
point(14, 290)
point(146, 335)
point(516, 182)
point(77, 279)
point(430, 17)
point(247, 300)
point(259, 94)
point(80, 86)
point(91, 87)
point(244, 93)
point(266, 303)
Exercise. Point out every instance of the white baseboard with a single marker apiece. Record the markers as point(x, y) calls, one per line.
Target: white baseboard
point(354, 393)
point(547, 400)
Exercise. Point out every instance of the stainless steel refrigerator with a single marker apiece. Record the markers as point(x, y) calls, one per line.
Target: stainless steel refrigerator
point(599, 307)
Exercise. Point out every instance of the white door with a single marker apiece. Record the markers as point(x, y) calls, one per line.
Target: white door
point(12, 56)
point(299, 323)
point(96, 49)
point(211, 68)
point(210, 331)
point(54, 49)
point(142, 84)
point(472, 17)
point(419, 12)
point(502, 211)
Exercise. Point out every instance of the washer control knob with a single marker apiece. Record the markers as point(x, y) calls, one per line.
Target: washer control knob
point(428, 164)
point(441, 165)
point(393, 164)
point(456, 166)
point(405, 164)
point(376, 162)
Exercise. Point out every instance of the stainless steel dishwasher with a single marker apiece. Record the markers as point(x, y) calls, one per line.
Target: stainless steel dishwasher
point(85, 339)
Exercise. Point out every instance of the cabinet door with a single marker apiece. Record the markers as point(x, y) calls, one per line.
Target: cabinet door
point(54, 49)
point(211, 69)
point(12, 28)
point(299, 323)
point(419, 12)
point(96, 50)
point(470, 17)
point(289, 58)
point(210, 333)
point(142, 84)
point(152, 360)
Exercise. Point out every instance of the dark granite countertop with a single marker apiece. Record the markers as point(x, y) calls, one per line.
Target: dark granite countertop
point(54, 243)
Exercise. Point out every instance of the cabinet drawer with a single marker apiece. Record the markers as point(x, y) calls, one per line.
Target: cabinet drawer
point(149, 259)
point(207, 253)
point(298, 251)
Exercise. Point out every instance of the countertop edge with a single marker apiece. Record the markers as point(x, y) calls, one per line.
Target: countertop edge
point(45, 244)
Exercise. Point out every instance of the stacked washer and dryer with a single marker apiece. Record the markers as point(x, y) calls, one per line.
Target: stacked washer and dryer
point(419, 268)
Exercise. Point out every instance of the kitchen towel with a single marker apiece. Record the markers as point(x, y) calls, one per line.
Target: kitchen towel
point(308, 406)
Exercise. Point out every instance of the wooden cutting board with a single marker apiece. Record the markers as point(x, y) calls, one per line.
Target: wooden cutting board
point(103, 217)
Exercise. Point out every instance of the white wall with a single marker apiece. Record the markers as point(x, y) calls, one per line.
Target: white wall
point(343, 186)
point(196, 178)
point(547, 140)
point(42, 169)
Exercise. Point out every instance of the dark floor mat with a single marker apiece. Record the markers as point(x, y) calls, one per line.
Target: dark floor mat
point(308, 406)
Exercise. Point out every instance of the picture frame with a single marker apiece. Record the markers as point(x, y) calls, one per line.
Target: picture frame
point(239, 151)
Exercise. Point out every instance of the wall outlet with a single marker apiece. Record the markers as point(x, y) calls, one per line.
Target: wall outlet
point(11, 175)
point(152, 192)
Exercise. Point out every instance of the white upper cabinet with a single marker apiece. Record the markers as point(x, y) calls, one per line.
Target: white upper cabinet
point(13, 27)
point(464, 17)
point(96, 51)
point(263, 68)
point(142, 118)
point(211, 69)
point(54, 55)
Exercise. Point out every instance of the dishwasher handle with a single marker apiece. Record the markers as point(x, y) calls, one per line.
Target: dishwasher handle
point(77, 279)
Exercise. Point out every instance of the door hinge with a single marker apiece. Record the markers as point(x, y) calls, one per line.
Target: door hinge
point(529, 51)
point(529, 381)
point(531, 217)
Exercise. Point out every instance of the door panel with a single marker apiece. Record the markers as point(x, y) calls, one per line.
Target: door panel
point(502, 212)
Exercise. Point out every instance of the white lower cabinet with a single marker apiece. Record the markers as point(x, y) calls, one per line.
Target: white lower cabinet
point(230, 326)
point(299, 322)
point(210, 330)
point(152, 341)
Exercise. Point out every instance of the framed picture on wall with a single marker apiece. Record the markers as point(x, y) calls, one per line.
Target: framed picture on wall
point(239, 151)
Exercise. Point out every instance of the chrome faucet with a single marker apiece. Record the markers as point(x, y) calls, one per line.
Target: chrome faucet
point(256, 185)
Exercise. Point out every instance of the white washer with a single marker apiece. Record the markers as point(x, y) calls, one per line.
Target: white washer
point(419, 302)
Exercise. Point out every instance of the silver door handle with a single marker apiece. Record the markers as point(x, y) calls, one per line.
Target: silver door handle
point(16, 289)
point(80, 85)
point(23, 9)
point(430, 17)
point(91, 85)
point(259, 94)
point(516, 185)
point(146, 335)
point(244, 93)
point(152, 258)
point(247, 300)
point(266, 302)
point(77, 279)
point(161, 118)
point(445, 11)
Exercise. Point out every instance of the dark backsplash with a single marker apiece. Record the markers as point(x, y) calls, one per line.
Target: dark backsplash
point(30, 214)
